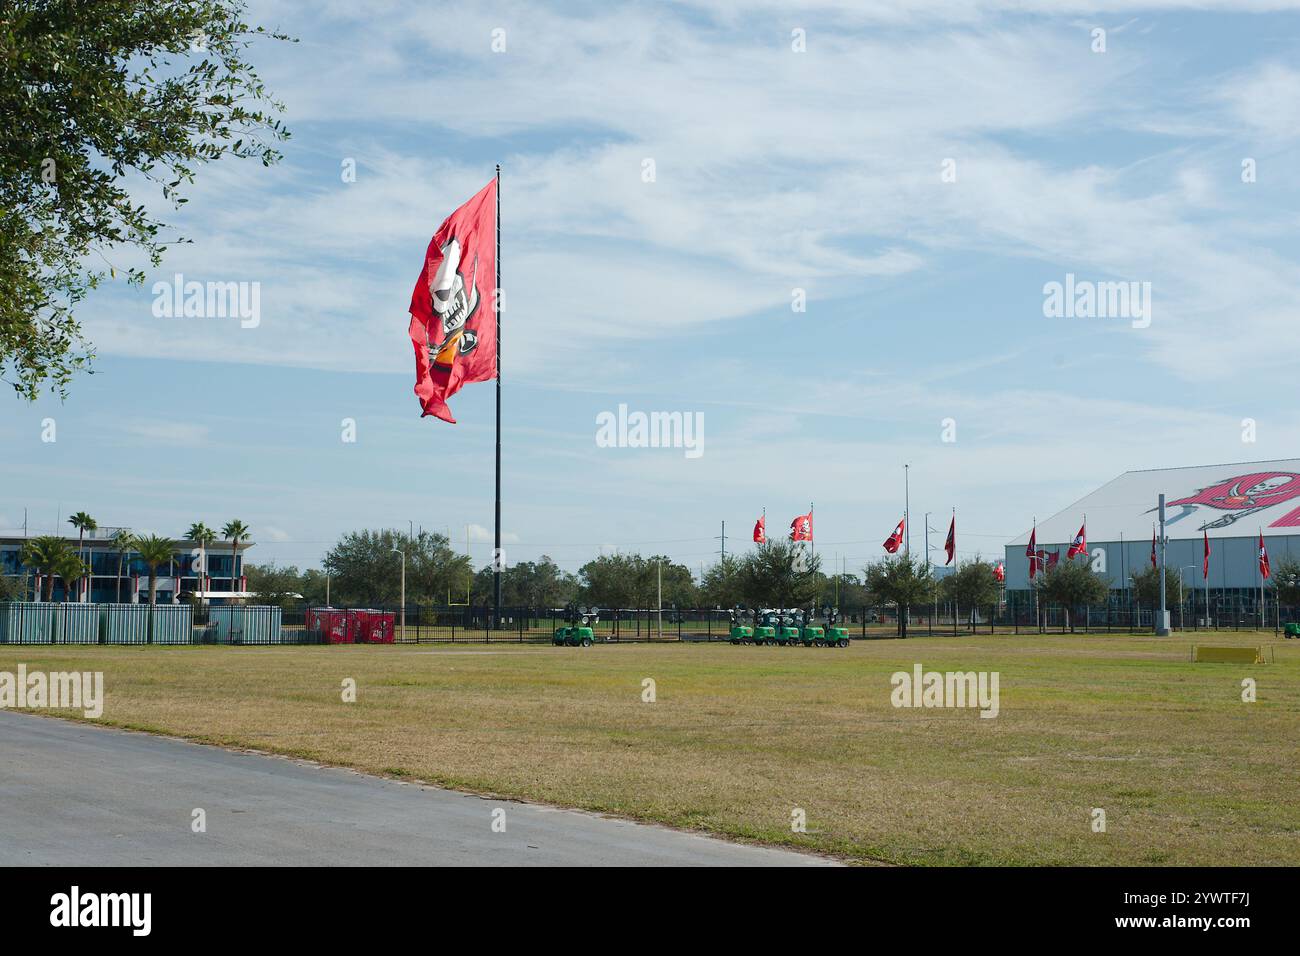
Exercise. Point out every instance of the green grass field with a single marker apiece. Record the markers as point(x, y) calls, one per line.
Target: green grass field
point(739, 737)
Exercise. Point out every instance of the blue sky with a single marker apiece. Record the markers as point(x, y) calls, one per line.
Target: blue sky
point(775, 170)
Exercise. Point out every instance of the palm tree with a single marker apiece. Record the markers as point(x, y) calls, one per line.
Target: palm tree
point(70, 568)
point(46, 554)
point(123, 543)
point(234, 531)
point(203, 536)
point(154, 550)
point(83, 523)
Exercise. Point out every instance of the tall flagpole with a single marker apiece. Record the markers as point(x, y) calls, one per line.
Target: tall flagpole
point(1259, 576)
point(907, 516)
point(496, 307)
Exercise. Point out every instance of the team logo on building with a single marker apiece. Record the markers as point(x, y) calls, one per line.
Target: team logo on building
point(1244, 495)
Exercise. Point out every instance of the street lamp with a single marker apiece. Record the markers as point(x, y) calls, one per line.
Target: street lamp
point(403, 554)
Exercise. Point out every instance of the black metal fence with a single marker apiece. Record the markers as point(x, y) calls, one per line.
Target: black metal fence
point(37, 623)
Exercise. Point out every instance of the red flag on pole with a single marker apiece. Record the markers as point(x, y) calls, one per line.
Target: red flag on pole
point(1080, 543)
point(950, 545)
point(894, 540)
point(1205, 560)
point(1154, 563)
point(1000, 572)
point(453, 320)
point(1031, 552)
point(1265, 571)
point(801, 528)
point(1053, 559)
point(760, 530)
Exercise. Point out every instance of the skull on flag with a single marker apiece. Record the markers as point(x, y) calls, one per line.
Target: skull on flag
point(451, 305)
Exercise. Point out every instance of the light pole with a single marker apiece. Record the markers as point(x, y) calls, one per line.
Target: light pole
point(403, 554)
point(659, 577)
point(1182, 624)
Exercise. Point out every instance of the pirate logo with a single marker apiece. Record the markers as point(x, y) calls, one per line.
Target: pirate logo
point(1242, 495)
point(453, 305)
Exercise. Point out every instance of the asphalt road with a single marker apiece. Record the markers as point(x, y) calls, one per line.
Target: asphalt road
point(75, 794)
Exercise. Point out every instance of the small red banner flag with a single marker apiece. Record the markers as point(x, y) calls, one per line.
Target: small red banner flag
point(893, 542)
point(1080, 543)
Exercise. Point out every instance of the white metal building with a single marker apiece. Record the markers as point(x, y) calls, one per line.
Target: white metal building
point(1231, 503)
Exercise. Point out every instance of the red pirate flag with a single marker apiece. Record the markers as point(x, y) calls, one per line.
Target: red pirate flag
point(894, 540)
point(1031, 552)
point(1053, 559)
point(1155, 564)
point(760, 530)
point(1000, 572)
point(801, 528)
point(1080, 543)
point(950, 546)
point(453, 322)
point(1205, 558)
point(1265, 571)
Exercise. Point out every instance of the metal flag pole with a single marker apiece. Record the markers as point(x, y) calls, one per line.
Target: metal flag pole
point(1123, 577)
point(1033, 563)
point(812, 533)
point(907, 516)
point(1162, 623)
point(1260, 578)
point(496, 541)
point(926, 519)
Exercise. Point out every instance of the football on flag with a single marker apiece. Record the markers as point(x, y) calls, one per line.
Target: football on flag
point(453, 320)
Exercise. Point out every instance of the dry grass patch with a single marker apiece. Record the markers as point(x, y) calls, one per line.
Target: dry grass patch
point(740, 736)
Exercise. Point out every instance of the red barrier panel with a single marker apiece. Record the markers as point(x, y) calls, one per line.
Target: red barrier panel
point(336, 625)
point(381, 627)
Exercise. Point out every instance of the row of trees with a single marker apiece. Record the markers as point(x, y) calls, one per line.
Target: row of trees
point(365, 568)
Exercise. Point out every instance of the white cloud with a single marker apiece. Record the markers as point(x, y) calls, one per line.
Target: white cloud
point(156, 432)
point(1266, 99)
point(481, 535)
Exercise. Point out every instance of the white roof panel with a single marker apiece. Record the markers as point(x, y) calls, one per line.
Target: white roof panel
point(1226, 501)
